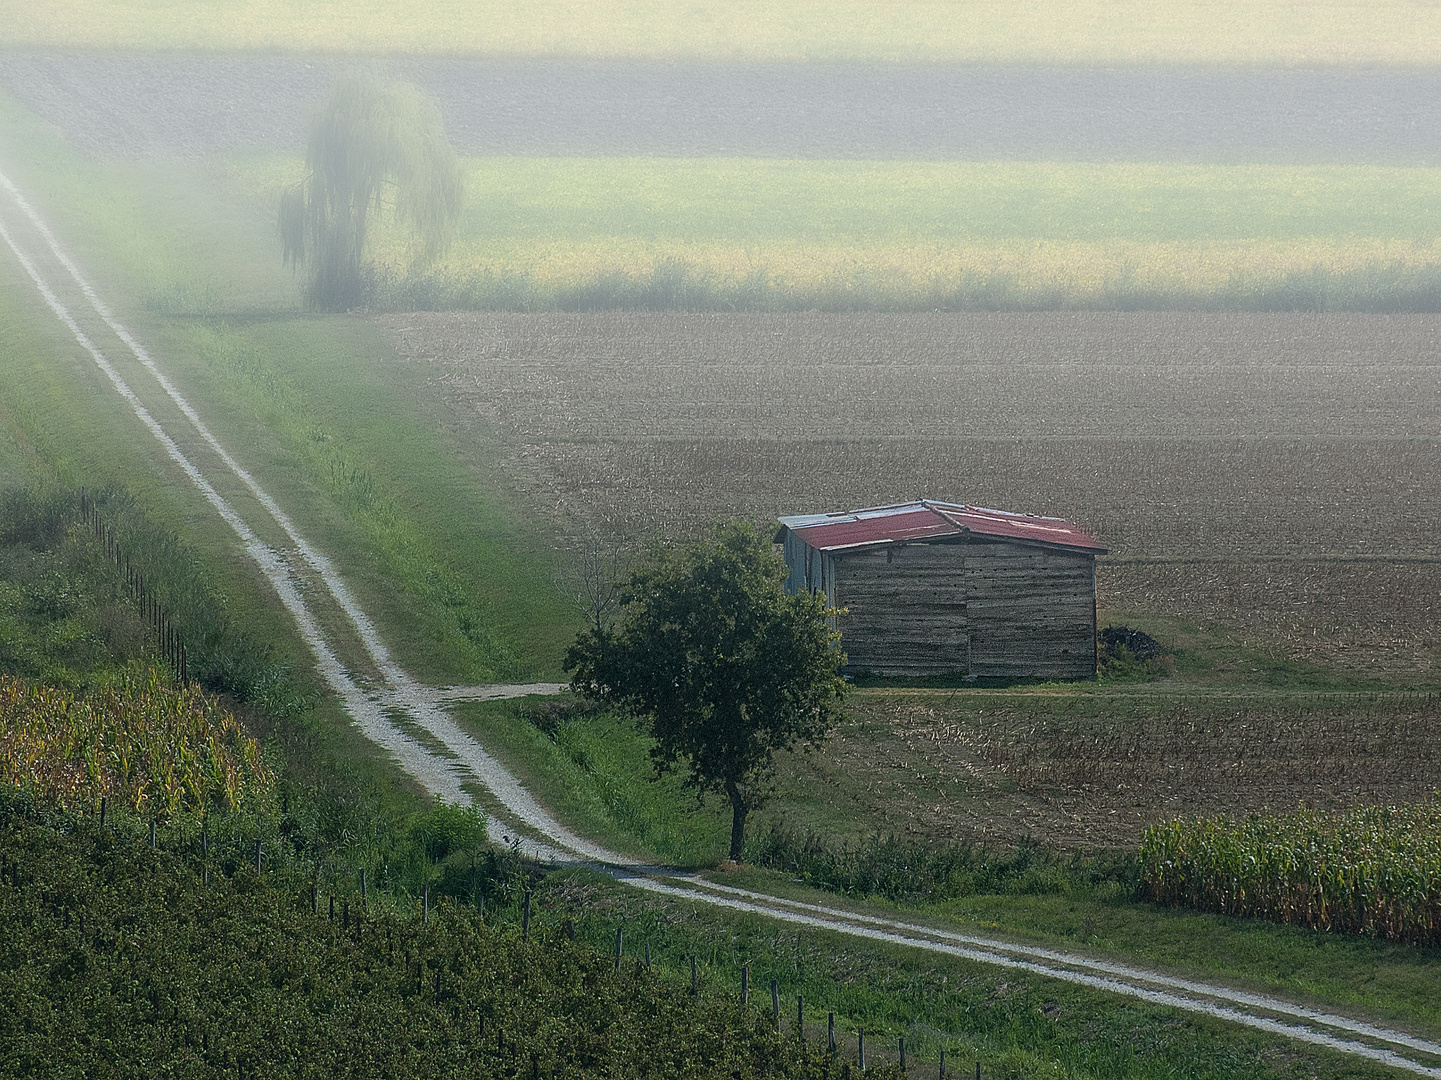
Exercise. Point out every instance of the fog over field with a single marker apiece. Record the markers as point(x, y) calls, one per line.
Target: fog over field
point(166, 105)
point(1274, 472)
point(354, 354)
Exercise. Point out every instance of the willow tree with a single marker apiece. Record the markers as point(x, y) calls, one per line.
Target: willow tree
point(375, 148)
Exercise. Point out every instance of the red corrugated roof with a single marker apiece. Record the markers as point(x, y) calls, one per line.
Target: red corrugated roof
point(927, 520)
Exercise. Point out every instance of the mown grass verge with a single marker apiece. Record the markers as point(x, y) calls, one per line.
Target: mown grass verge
point(590, 768)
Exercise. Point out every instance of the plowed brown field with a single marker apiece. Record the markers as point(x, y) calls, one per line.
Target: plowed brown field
point(1276, 474)
point(1087, 772)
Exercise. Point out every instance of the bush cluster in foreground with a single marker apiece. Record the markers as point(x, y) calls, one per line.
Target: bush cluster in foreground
point(119, 959)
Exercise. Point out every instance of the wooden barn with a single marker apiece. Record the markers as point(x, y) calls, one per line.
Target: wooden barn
point(934, 588)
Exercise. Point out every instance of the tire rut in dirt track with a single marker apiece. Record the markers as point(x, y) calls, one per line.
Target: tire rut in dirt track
point(460, 766)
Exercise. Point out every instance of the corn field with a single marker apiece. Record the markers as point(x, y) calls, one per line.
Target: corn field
point(1373, 870)
point(145, 745)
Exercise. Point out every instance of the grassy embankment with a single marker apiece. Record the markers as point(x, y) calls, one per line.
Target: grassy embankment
point(1398, 32)
point(342, 437)
point(724, 234)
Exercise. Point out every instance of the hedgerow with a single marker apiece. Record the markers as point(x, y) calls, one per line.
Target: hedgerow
point(912, 871)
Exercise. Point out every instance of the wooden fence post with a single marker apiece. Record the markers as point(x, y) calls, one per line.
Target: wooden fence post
point(861, 1047)
point(903, 1055)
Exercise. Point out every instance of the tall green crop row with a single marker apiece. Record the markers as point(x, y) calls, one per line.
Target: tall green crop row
point(150, 746)
point(1373, 870)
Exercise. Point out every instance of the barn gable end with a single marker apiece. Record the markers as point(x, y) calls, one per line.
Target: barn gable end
point(944, 589)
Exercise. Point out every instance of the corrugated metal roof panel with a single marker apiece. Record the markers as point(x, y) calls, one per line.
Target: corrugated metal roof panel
point(1047, 530)
point(862, 527)
point(928, 520)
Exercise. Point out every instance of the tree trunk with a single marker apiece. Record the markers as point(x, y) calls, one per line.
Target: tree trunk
point(738, 820)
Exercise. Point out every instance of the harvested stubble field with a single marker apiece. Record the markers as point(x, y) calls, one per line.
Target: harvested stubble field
point(1091, 771)
point(1272, 474)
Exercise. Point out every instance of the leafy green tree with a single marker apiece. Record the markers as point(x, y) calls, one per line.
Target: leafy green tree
point(375, 147)
point(720, 663)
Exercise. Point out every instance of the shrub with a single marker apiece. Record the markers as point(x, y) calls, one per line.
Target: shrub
point(911, 870)
point(448, 828)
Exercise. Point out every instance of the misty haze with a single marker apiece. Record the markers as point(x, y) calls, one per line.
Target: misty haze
point(753, 540)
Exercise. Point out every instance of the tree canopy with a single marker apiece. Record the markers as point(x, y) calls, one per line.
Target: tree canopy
point(374, 147)
point(720, 663)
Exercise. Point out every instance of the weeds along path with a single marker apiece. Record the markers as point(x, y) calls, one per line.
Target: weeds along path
point(409, 720)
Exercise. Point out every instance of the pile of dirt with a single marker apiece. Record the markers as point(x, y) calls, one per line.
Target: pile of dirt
point(1138, 645)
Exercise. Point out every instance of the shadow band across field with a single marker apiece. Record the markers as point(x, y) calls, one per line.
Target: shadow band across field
point(167, 105)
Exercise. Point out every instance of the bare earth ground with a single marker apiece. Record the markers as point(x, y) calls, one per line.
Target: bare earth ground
point(1092, 773)
point(1275, 474)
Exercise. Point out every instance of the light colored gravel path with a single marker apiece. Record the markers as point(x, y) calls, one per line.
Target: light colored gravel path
point(451, 764)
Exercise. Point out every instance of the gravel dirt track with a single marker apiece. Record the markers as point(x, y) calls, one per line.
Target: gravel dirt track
point(1271, 472)
point(177, 105)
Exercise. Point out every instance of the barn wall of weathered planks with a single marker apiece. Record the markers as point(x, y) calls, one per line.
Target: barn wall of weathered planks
point(1031, 611)
point(967, 607)
point(906, 609)
point(931, 588)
